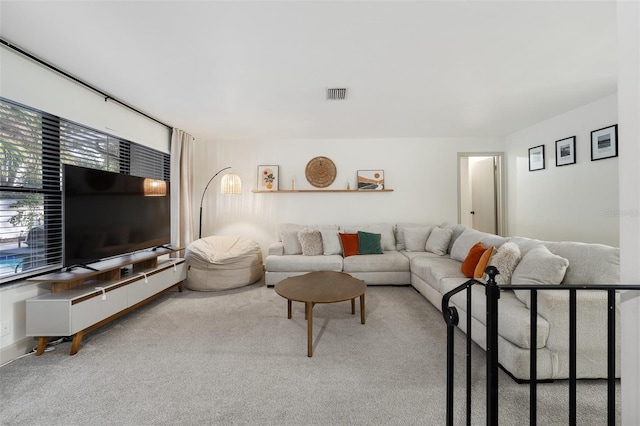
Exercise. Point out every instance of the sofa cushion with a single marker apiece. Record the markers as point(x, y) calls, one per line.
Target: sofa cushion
point(538, 266)
point(470, 262)
point(505, 259)
point(482, 263)
point(388, 261)
point(349, 244)
point(469, 237)
point(300, 263)
point(331, 241)
point(433, 269)
point(415, 239)
point(514, 318)
point(310, 241)
point(438, 241)
point(387, 237)
point(369, 243)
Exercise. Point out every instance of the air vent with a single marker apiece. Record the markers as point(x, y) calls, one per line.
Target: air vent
point(336, 94)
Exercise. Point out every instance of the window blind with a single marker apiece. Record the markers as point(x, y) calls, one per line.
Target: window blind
point(33, 147)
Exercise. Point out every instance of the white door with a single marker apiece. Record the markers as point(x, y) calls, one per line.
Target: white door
point(482, 175)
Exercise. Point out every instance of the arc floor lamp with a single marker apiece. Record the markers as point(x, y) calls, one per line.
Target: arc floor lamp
point(230, 184)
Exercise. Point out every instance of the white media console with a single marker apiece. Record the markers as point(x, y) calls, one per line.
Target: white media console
point(82, 300)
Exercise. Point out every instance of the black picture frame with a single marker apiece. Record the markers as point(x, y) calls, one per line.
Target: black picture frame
point(604, 143)
point(566, 151)
point(536, 158)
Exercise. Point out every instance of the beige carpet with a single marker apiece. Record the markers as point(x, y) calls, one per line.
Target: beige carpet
point(234, 358)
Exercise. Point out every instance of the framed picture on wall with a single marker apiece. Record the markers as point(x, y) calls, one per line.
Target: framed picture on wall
point(268, 178)
point(604, 143)
point(536, 158)
point(566, 151)
point(370, 180)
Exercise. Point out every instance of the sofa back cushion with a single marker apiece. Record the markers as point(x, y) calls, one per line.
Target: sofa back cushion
point(387, 237)
point(415, 239)
point(588, 263)
point(469, 237)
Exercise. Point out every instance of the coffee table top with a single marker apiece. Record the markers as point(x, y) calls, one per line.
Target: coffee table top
point(321, 287)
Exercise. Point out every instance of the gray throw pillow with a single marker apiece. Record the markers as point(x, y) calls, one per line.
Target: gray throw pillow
point(438, 241)
point(538, 266)
point(331, 241)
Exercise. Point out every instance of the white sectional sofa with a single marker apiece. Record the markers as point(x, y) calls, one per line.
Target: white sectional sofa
point(422, 256)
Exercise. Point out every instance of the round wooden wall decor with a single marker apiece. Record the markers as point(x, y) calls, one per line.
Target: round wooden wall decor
point(320, 172)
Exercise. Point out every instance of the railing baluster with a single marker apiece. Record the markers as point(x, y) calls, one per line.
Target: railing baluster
point(572, 357)
point(533, 361)
point(611, 358)
point(493, 294)
point(469, 355)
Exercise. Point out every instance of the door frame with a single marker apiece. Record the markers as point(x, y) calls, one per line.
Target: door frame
point(501, 187)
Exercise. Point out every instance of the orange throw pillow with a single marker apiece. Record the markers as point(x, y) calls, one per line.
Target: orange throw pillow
point(471, 261)
point(349, 244)
point(482, 263)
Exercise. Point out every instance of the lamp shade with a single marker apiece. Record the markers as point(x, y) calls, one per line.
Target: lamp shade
point(230, 184)
point(155, 188)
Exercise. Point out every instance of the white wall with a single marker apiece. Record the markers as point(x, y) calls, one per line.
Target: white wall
point(629, 111)
point(575, 202)
point(26, 82)
point(422, 173)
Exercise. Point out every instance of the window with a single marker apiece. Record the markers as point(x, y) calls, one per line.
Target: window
point(33, 146)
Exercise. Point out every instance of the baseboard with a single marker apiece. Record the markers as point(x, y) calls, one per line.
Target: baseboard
point(17, 349)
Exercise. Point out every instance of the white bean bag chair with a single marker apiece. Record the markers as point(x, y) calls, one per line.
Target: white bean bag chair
point(222, 262)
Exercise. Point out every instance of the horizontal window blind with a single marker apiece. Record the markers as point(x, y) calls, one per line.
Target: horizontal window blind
point(33, 147)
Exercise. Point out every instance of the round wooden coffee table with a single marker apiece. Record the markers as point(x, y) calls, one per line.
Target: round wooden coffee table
point(321, 287)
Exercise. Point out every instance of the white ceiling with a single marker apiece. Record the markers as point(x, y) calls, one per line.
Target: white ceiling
point(240, 69)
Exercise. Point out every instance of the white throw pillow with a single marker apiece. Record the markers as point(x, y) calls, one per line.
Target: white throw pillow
point(331, 241)
point(538, 266)
point(438, 241)
point(290, 242)
point(415, 239)
point(310, 241)
point(505, 258)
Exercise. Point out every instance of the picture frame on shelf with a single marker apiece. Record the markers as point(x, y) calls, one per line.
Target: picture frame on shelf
point(536, 158)
point(268, 178)
point(370, 180)
point(604, 143)
point(566, 151)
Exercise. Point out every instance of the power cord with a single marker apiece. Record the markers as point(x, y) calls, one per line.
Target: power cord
point(51, 346)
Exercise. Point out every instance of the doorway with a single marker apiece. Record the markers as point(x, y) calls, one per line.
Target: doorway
point(481, 191)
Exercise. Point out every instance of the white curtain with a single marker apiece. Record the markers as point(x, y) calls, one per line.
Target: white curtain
point(181, 188)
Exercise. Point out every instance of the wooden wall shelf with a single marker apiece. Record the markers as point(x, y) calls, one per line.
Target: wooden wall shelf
point(320, 190)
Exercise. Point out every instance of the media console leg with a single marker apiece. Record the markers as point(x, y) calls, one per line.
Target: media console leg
point(179, 286)
point(75, 344)
point(42, 345)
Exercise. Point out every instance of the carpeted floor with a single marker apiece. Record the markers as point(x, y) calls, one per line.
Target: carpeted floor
point(233, 357)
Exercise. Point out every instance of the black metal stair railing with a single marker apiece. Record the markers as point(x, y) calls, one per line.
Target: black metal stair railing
point(492, 291)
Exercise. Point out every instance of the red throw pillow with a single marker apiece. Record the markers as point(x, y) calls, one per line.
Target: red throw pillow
point(471, 261)
point(349, 244)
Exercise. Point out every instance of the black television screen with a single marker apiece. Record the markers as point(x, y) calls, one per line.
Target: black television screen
point(108, 214)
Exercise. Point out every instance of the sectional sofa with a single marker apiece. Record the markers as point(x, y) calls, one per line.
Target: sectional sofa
point(431, 258)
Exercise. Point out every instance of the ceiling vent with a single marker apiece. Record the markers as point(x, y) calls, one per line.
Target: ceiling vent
point(336, 94)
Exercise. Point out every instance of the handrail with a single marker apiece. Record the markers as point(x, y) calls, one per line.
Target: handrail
point(451, 318)
point(492, 291)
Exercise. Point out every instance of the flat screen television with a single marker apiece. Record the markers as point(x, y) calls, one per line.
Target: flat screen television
point(109, 214)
